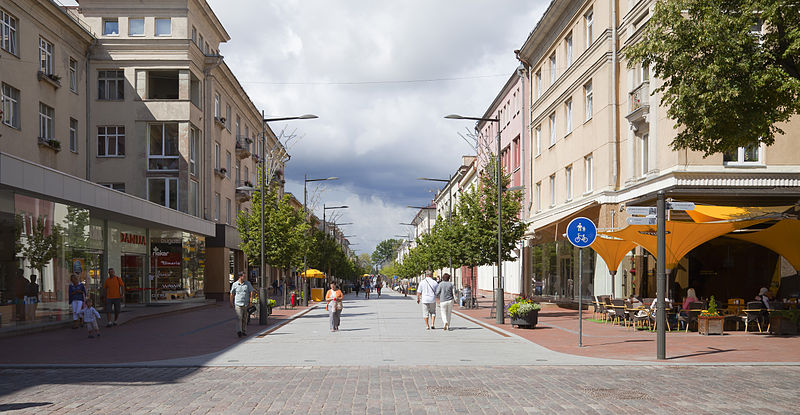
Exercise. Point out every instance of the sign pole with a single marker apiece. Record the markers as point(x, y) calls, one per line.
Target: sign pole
point(580, 298)
point(661, 278)
point(581, 232)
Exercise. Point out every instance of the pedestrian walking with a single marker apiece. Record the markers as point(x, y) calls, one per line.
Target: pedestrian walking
point(366, 288)
point(426, 293)
point(31, 298)
point(114, 292)
point(77, 296)
point(447, 294)
point(241, 298)
point(334, 306)
point(357, 287)
point(378, 287)
point(90, 317)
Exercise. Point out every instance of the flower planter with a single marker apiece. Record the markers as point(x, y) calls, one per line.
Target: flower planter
point(527, 321)
point(782, 325)
point(710, 324)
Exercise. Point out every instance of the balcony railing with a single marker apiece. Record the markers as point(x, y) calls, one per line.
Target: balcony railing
point(640, 97)
point(242, 148)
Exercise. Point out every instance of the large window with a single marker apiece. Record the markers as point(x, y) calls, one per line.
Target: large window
point(553, 190)
point(568, 113)
point(227, 211)
point(73, 135)
point(568, 49)
point(587, 92)
point(553, 69)
point(217, 109)
point(111, 27)
point(193, 198)
point(588, 27)
point(73, 75)
point(163, 26)
point(194, 148)
point(228, 117)
point(644, 143)
point(8, 32)
point(195, 94)
point(111, 85)
point(568, 177)
point(538, 83)
point(10, 106)
point(552, 119)
point(163, 145)
point(216, 207)
point(743, 155)
point(45, 56)
point(111, 141)
point(538, 197)
point(228, 164)
point(538, 135)
point(588, 166)
point(216, 156)
point(162, 84)
point(163, 190)
point(46, 116)
point(135, 26)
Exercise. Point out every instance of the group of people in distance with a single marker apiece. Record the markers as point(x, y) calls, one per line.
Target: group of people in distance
point(82, 306)
point(366, 284)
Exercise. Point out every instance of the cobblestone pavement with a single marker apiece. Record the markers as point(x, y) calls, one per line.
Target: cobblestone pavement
point(412, 390)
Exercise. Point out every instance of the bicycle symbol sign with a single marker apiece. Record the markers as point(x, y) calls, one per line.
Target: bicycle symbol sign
point(581, 232)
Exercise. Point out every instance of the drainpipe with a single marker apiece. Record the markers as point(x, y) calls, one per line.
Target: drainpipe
point(88, 113)
point(208, 121)
point(615, 115)
point(523, 71)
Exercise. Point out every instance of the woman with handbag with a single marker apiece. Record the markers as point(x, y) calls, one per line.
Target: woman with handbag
point(334, 305)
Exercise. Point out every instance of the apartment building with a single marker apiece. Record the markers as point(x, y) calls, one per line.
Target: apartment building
point(600, 141)
point(47, 152)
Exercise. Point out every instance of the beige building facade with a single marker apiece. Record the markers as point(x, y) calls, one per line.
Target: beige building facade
point(600, 141)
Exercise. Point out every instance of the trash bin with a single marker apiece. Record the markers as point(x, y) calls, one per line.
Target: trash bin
point(317, 294)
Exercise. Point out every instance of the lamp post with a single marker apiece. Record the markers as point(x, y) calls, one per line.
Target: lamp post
point(449, 212)
point(325, 210)
point(305, 216)
point(500, 299)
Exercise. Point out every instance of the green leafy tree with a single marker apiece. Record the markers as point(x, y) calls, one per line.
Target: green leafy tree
point(725, 84)
point(385, 251)
point(42, 244)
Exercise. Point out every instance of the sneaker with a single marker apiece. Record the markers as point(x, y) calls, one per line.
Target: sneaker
point(427, 328)
point(433, 327)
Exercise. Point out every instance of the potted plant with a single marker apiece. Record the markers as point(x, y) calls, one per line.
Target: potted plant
point(784, 321)
point(709, 321)
point(524, 313)
point(270, 304)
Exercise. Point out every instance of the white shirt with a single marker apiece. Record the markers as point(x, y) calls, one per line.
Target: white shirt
point(427, 290)
point(90, 314)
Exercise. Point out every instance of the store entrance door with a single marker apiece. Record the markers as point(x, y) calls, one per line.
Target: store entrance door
point(133, 276)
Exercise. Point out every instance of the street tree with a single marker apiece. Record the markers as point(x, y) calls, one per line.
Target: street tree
point(385, 251)
point(726, 82)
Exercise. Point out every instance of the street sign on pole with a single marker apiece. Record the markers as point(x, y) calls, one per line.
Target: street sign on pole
point(641, 210)
point(680, 206)
point(581, 233)
point(647, 220)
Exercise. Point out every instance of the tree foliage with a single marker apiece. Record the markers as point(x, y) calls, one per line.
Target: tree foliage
point(42, 244)
point(385, 251)
point(724, 84)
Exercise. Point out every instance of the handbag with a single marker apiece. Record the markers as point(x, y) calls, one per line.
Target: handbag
point(339, 305)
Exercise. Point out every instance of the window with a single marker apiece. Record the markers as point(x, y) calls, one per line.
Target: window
point(216, 156)
point(163, 26)
point(568, 49)
point(516, 152)
point(162, 84)
point(164, 191)
point(553, 190)
point(216, 207)
point(46, 116)
point(644, 142)
point(111, 27)
point(246, 174)
point(227, 211)
point(73, 135)
point(217, 109)
point(238, 175)
point(111, 85)
point(205, 48)
point(228, 164)
point(568, 112)
point(587, 92)
point(193, 198)
point(10, 106)
point(73, 75)
point(588, 23)
point(228, 117)
point(194, 35)
point(194, 147)
point(8, 32)
point(120, 187)
point(743, 155)
point(194, 91)
point(644, 73)
point(238, 127)
point(45, 56)
point(588, 166)
point(538, 83)
point(538, 197)
point(111, 141)
point(553, 71)
point(163, 146)
point(538, 135)
point(200, 41)
point(135, 26)
point(568, 174)
point(553, 129)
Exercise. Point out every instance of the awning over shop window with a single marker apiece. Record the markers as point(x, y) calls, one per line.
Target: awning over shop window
point(681, 237)
point(709, 213)
point(782, 237)
point(612, 250)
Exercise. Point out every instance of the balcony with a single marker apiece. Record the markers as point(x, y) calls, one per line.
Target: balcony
point(639, 106)
point(221, 173)
point(50, 143)
point(220, 121)
point(49, 78)
point(243, 147)
point(242, 196)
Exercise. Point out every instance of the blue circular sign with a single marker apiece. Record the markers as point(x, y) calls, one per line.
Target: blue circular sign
point(581, 232)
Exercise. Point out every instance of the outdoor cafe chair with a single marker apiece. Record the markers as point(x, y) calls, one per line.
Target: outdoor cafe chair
point(692, 314)
point(753, 313)
point(610, 311)
point(618, 306)
point(639, 316)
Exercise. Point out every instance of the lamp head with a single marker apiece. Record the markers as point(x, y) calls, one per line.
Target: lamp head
point(307, 117)
point(454, 117)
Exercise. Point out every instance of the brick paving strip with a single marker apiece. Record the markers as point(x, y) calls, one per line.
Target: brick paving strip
point(389, 390)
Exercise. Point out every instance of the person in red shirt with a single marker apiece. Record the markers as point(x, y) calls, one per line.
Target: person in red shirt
point(114, 290)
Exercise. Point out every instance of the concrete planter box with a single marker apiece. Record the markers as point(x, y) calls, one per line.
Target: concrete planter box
point(710, 324)
point(527, 321)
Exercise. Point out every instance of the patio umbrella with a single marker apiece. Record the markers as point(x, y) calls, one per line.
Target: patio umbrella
point(312, 273)
point(782, 237)
point(710, 213)
point(612, 250)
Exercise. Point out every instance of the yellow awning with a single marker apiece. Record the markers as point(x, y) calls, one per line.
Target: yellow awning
point(312, 273)
point(782, 237)
point(612, 250)
point(681, 237)
point(709, 213)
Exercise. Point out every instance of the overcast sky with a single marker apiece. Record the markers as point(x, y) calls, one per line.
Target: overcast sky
point(359, 65)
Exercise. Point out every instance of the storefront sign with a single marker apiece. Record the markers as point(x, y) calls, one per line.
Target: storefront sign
point(130, 238)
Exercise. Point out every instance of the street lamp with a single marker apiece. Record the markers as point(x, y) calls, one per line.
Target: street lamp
point(262, 297)
point(305, 217)
point(325, 210)
point(449, 212)
point(426, 208)
point(500, 299)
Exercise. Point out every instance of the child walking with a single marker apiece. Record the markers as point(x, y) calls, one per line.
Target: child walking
point(90, 317)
